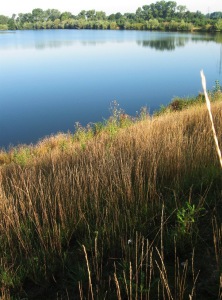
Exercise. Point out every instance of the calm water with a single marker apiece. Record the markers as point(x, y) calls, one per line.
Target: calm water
point(51, 79)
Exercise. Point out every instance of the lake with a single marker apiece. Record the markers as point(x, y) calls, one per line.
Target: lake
point(51, 79)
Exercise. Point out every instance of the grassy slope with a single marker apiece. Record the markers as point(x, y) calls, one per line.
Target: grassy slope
point(70, 205)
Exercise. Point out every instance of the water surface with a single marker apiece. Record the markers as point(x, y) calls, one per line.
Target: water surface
point(51, 79)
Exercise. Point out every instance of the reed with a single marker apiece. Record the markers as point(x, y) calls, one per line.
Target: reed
point(211, 117)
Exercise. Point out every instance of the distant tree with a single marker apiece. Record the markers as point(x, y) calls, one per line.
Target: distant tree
point(90, 14)
point(65, 16)
point(170, 9)
point(3, 27)
point(53, 14)
point(216, 15)
point(130, 16)
point(70, 23)
point(111, 17)
point(154, 24)
point(161, 15)
point(218, 25)
point(39, 15)
point(147, 12)
point(118, 15)
point(3, 20)
point(49, 24)
point(139, 13)
point(173, 25)
point(56, 23)
point(121, 22)
point(113, 25)
point(28, 25)
point(24, 18)
point(100, 15)
point(82, 15)
point(181, 10)
point(11, 24)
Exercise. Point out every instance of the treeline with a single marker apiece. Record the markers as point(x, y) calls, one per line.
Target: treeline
point(162, 15)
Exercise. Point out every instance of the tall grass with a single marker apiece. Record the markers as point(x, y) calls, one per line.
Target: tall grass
point(96, 216)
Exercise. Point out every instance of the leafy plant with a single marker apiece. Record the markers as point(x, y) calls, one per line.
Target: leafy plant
point(21, 156)
point(186, 217)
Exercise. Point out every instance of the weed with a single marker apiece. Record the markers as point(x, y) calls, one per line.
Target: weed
point(22, 155)
point(186, 217)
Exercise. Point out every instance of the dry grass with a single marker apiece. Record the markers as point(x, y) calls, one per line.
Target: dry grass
point(100, 191)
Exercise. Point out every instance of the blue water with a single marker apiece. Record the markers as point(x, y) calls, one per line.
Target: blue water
point(51, 79)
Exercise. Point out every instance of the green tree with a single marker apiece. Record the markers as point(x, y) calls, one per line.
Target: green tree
point(37, 25)
point(53, 14)
point(216, 15)
point(90, 14)
point(28, 25)
point(181, 9)
point(173, 25)
point(170, 9)
point(38, 15)
point(154, 24)
point(56, 24)
point(65, 16)
point(49, 24)
point(121, 22)
point(113, 25)
point(3, 20)
point(11, 24)
point(183, 26)
point(100, 15)
point(130, 16)
point(25, 18)
point(139, 13)
point(82, 15)
point(111, 17)
point(147, 12)
point(118, 15)
point(3, 27)
point(70, 23)
point(218, 25)
point(162, 15)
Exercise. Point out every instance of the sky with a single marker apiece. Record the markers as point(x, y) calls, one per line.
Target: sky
point(9, 7)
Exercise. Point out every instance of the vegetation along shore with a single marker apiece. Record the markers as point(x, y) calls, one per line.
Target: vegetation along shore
point(126, 209)
point(162, 15)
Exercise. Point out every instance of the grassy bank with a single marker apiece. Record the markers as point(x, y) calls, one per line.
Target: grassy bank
point(127, 210)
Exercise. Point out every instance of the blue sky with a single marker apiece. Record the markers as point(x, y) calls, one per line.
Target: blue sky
point(75, 6)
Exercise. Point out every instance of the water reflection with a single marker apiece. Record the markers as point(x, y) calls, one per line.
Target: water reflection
point(51, 44)
point(59, 44)
point(161, 41)
point(214, 37)
point(168, 44)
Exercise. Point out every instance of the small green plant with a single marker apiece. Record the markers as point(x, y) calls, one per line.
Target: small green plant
point(216, 91)
point(144, 114)
point(22, 155)
point(83, 134)
point(116, 113)
point(98, 127)
point(186, 217)
point(63, 145)
point(218, 87)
